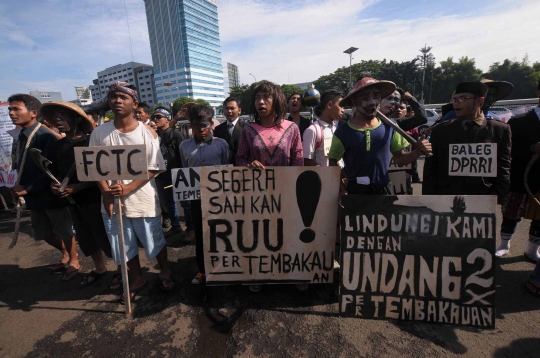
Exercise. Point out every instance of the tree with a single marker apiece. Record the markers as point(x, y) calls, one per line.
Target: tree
point(181, 101)
point(523, 76)
point(109, 115)
point(426, 59)
point(290, 89)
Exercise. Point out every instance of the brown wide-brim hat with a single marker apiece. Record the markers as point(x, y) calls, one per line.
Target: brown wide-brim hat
point(187, 106)
point(503, 88)
point(48, 108)
point(386, 88)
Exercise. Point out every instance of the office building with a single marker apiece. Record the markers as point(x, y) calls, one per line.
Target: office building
point(84, 96)
point(138, 74)
point(47, 96)
point(186, 50)
point(234, 76)
point(303, 85)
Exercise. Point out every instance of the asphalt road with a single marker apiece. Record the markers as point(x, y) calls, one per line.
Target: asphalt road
point(41, 316)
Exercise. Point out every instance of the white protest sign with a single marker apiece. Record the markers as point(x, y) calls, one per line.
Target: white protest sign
point(473, 160)
point(8, 179)
point(187, 183)
point(120, 162)
point(399, 182)
point(276, 225)
point(6, 142)
point(394, 167)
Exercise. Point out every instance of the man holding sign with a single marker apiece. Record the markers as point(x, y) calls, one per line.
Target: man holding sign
point(139, 199)
point(464, 162)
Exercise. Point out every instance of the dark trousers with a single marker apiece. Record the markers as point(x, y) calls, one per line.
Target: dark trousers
point(196, 217)
point(371, 189)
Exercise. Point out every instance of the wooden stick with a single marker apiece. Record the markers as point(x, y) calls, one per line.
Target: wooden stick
point(122, 249)
point(400, 131)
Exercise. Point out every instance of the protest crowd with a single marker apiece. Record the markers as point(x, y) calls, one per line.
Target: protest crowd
point(382, 128)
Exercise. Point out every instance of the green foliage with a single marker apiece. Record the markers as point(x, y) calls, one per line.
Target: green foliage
point(523, 76)
point(441, 80)
point(109, 115)
point(290, 89)
point(181, 101)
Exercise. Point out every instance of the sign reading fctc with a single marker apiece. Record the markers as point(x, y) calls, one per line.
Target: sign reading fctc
point(111, 163)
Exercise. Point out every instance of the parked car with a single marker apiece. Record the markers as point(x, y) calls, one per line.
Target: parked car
point(432, 117)
point(498, 109)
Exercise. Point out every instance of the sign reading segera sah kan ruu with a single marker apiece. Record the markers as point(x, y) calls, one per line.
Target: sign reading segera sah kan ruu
point(419, 258)
point(272, 225)
point(111, 163)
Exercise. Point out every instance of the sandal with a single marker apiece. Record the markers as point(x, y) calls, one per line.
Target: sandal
point(166, 283)
point(71, 273)
point(116, 282)
point(533, 288)
point(59, 267)
point(91, 279)
point(132, 294)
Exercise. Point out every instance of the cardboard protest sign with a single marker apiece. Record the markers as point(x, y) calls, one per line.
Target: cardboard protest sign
point(187, 183)
point(120, 162)
point(276, 225)
point(393, 166)
point(399, 182)
point(473, 160)
point(419, 258)
point(6, 143)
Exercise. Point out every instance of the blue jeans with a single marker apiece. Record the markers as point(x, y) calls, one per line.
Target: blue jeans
point(167, 199)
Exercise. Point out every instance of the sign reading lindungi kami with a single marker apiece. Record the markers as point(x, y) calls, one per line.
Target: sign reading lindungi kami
point(419, 258)
point(473, 160)
point(111, 163)
point(187, 183)
point(272, 225)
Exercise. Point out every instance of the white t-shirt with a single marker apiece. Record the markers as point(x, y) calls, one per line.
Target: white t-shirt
point(143, 202)
point(319, 134)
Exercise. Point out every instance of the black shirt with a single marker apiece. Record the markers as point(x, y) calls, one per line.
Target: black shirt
point(63, 157)
point(303, 125)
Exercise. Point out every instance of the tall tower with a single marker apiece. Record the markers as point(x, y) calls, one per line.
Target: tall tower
point(186, 51)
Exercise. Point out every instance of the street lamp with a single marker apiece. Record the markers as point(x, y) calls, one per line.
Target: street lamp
point(350, 51)
point(253, 77)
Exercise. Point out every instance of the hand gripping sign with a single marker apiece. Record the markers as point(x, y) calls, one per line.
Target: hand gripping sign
point(123, 162)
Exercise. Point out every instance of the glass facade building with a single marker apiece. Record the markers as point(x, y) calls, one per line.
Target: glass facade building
point(186, 50)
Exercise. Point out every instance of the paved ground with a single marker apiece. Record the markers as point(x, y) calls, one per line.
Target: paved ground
point(42, 316)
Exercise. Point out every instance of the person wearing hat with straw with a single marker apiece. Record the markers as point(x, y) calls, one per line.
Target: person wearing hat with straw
point(141, 210)
point(470, 126)
point(520, 202)
point(90, 232)
point(365, 143)
point(49, 215)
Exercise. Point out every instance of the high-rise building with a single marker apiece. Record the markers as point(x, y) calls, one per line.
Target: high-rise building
point(186, 50)
point(48, 96)
point(234, 77)
point(138, 74)
point(84, 96)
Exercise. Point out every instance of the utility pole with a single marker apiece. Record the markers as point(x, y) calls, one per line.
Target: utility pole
point(350, 51)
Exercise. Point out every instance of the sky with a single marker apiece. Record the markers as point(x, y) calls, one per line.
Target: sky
point(55, 45)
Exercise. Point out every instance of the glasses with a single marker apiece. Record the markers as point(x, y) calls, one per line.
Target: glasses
point(157, 118)
point(460, 99)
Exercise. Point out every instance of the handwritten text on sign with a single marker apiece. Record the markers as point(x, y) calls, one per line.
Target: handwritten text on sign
point(473, 160)
point(187, 183)
point(276, 225)
point(419, 258)
point(122, 162)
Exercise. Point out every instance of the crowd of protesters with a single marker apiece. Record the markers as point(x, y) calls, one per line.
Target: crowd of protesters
point(362, 145)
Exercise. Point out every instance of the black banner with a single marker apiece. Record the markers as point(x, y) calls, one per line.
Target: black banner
point(419, 258)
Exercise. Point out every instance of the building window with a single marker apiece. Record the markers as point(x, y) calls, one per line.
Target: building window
point(45, 95)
